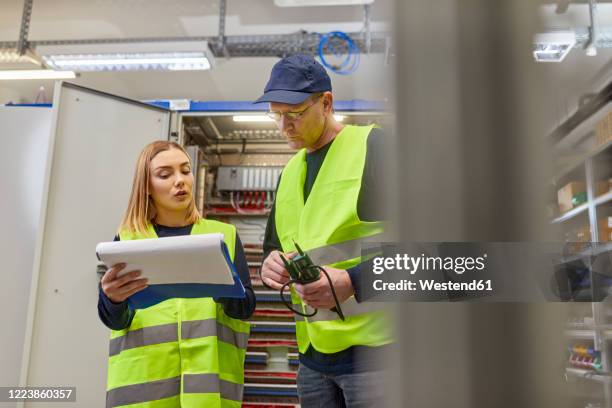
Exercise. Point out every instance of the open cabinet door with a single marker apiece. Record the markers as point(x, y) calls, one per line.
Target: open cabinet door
point(94, 145)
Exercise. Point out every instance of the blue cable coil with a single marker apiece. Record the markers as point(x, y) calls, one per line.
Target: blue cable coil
point(338, 44)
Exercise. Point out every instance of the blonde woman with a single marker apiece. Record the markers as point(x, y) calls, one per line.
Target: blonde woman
point(186, 352)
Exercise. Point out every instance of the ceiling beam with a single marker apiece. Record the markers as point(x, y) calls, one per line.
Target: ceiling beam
point(277, 45)
point(22, 44)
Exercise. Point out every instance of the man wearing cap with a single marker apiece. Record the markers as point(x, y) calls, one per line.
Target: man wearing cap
point(324, 197)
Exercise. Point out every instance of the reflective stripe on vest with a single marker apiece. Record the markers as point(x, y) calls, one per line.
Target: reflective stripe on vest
point(328, 217)
point(169, 332)
point(157, 390)
point(180, 344)
point(151, 391)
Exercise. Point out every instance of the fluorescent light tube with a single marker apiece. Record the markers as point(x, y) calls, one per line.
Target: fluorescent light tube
point(591, 50)
point(36, 74)
point(11, 56)
point(128, 62)
point(133, 56)
point(553, 46)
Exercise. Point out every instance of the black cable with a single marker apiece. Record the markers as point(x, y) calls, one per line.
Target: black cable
point(336, 309)
point(287, 304)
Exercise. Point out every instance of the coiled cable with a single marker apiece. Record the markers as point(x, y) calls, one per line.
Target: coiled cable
point(338, 43)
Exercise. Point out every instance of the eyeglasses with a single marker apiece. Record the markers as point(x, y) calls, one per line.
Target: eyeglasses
point(276, 116)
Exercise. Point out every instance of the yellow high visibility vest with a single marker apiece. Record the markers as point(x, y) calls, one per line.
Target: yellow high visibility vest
point(180, 352)
point(329, 216)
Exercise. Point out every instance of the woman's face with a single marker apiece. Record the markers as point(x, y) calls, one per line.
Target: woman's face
point(171, 181)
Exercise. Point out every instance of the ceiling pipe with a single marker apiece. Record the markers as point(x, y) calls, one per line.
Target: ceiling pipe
point(591, 46)
point(237, 45)
point(366, 28)
point(221, 41)
point(22, 44)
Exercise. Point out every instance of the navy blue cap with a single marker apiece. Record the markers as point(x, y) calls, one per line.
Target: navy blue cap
point(293, 79)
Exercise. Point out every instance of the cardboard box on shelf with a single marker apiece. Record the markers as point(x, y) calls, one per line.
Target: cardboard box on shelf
point(602, 187)
point(583, 234)
point(605, 229)
point(567, 192)
point(605, 235)
point(578, 240)
point(603, 130)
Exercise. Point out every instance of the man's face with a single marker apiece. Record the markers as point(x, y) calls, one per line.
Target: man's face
point(301, 124)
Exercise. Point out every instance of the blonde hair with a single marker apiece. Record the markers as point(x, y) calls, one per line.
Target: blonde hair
point(141, 209)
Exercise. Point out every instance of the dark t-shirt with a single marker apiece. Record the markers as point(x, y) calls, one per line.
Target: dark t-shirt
point(117, 316)
point(356, 358)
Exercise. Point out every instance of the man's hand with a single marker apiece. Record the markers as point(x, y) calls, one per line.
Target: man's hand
point(318, 294)
point(273, 272)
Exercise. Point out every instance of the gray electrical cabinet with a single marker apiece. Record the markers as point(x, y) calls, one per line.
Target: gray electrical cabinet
point(247, 178)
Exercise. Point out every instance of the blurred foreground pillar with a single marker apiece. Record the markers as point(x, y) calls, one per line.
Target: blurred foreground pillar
point(473, 166)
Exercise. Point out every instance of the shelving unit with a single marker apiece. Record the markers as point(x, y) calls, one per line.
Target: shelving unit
point(588, 375)
point(571, 213)
point(590, 328)
point(272, 354)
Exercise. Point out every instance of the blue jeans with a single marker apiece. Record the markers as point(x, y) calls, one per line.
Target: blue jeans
point(357, 390)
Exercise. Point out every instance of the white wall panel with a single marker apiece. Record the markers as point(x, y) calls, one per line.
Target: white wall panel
point(24, 136)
